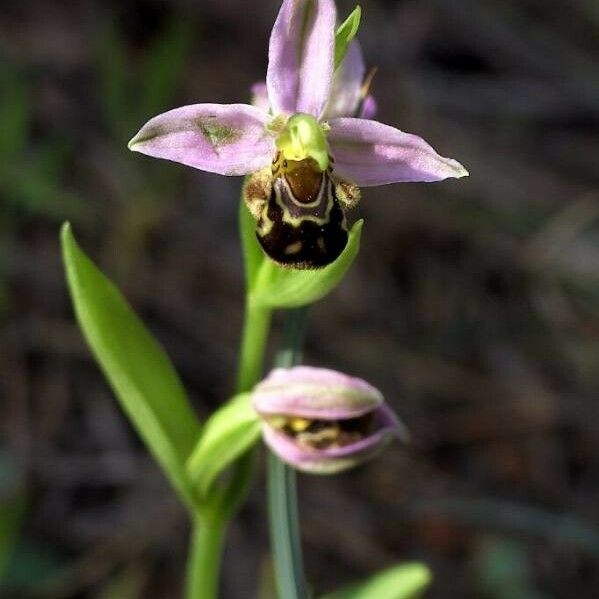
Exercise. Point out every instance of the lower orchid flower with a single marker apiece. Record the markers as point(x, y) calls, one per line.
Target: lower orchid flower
point(307, 160)
point(322, 421)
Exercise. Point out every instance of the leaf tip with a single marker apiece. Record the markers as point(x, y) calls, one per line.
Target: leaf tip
point(65, 229)
point(424, 573)
point(346, 33)
point(416, 577)
point(66, 235)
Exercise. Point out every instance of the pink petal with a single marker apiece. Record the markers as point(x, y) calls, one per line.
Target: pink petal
point(369, 107)
point(300, 57)
point(369, 153)
point(260, 96)
point(347, 84)
point(309, 392)
point(226, 139)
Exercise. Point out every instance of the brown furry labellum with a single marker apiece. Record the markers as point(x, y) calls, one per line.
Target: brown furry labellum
point(300, 212)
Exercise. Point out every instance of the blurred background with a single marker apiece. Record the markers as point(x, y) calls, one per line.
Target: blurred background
point(472, 305)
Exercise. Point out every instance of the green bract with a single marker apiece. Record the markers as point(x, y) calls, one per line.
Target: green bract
point(227, 434)
point(288, 288)
point(346, 33)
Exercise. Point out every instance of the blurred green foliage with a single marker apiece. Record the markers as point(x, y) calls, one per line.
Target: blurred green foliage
point(32, 172)
point(503, 570)
point(134, 95)
point(37, 180)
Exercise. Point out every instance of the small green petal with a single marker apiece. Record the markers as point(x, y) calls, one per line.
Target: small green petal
point(346, 33)
point(303, 138)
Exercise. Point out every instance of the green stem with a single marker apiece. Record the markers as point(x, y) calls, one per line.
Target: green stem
point(253, 345)
point(282, 493)
point(291, 349)
point(205, 551)
point(209, 527)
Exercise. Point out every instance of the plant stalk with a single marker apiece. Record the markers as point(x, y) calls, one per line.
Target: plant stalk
point(282, 492)
point(205, 551)
point(256, 327)
point(207, 537)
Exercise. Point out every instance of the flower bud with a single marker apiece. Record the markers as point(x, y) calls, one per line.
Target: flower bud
point(322, 421)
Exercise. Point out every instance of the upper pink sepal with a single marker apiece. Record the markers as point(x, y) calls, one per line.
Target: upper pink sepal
point(228, 139)
point(301, 57)
point(370, 153)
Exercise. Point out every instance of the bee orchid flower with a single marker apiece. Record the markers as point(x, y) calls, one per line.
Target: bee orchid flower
point(307, 157)
point(322, 421)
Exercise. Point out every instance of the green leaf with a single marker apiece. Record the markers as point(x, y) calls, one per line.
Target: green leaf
point(41, 192)
point(405, 581)
point(135, 365)
point(252, 253)
point(278, 287)
point(346, 33)
point(227, 434)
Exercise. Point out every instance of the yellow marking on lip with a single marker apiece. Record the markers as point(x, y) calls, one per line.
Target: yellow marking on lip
point(267, 224)
point(293, 248)
point(326, 437)
point(296, 221)
point(299, 425)
point(304, 205)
